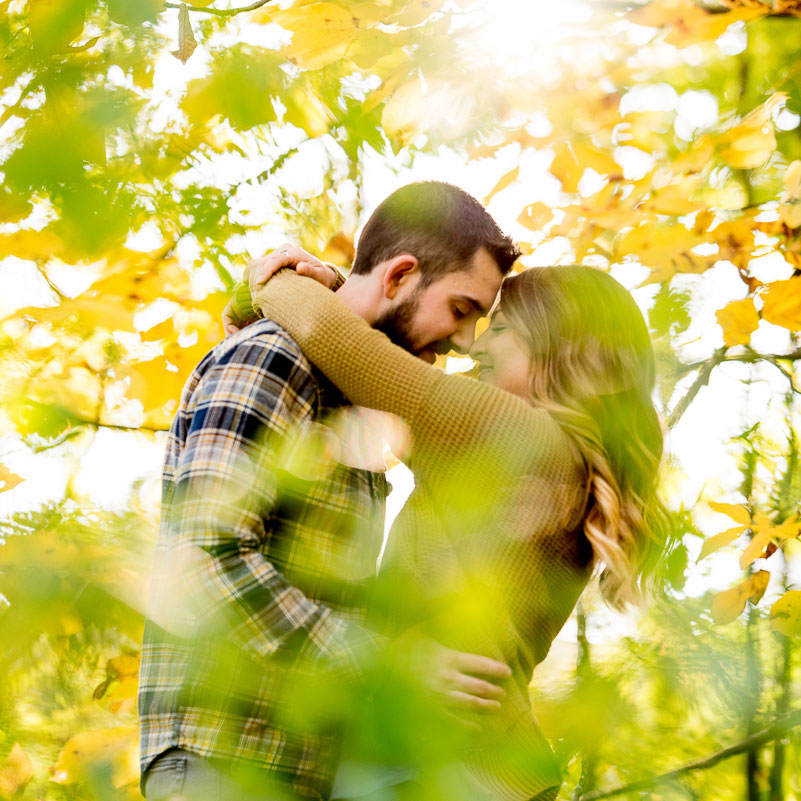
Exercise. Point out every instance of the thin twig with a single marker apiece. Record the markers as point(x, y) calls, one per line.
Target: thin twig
point(218, 12)
point(774, 731)
point(82, 421)
point(701, 380)
point(786, 373)
point(14, 107)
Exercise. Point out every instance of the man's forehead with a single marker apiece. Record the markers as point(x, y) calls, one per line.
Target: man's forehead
point(479, 285)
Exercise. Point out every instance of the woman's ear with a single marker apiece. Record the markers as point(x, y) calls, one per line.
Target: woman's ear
point(400, 272)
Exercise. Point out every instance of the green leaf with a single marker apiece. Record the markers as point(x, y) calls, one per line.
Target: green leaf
point(241, 87)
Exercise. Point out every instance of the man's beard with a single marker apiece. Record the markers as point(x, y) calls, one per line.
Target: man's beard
point(397, 323)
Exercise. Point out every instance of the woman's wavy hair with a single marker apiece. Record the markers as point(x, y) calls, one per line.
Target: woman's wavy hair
point(593, 370)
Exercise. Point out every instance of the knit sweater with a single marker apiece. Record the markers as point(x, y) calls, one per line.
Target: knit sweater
point(489, 548)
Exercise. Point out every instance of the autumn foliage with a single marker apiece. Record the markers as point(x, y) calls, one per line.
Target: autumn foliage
point(149, 151)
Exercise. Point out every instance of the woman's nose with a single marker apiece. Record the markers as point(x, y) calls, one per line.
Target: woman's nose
point(476, 348)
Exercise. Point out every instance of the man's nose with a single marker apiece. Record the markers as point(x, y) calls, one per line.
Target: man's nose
point(462, 339)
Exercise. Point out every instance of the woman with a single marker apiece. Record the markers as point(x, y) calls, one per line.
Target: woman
point(526, 480)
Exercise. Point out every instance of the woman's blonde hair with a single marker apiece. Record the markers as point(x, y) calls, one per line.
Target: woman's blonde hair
point(593, 370)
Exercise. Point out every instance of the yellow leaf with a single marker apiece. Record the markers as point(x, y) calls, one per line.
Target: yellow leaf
point(370, 46)
point(573, 158)
point(782, 303)
point(13, 207)
point(660, 13)
point(87, 751)
point(163, 330)
point(566, 168)
point(689, 22)
point(749, 149)
point(674, 199)
point(321, 33)
point(339, 250)
point(720, 541)
point(186, 359)
point(416, 11)
point(535, 216)
point(440, 108)
point(614, 218)
point(43, 550)
point(305, 109)
point(143, 277)
point(666, 249)
point(760, 540)
point(711, 26)
point(68, 624)
point(369, 13)
point(736, 512)
point(790, 529)
point(759, 583)
point(186, 39)
point(790, 214)
point(33, 245)
point(122, 699)
point(153, 383)
point(764, 533)
point(790, 209)
point(123, 666)
point(104, 312)
point(752, 141)
point(94, 312)
point(505, 181)
point(728, 605)
point(16, 771)
point(696, 158)
point(738, 319)
point(8, 480)
point(785, 614)
point(404, 114)
point(792, 181)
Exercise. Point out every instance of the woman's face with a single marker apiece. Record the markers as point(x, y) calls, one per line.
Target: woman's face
point(504, 360)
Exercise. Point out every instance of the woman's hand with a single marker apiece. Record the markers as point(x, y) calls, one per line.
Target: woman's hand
point(260, 270)
point(461, 683)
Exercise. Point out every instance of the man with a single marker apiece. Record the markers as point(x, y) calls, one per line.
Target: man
point(267, 545)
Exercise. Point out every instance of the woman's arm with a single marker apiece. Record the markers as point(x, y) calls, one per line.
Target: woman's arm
point(463, 423)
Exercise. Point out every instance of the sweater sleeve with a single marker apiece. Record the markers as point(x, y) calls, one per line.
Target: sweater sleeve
point(452, 418)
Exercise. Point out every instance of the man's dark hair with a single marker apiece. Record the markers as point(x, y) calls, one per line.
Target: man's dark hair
point(437, 223)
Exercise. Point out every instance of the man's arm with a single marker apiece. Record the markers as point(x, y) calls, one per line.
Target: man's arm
point(244, 408)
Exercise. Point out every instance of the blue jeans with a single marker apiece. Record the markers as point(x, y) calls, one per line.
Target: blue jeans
point(179, 775)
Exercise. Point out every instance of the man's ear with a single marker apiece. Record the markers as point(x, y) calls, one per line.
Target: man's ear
point(398, 273)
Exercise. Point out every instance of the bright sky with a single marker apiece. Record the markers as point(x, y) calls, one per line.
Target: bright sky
point(516, 34)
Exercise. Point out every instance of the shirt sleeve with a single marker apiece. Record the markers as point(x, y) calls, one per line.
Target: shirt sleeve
point(247, 404)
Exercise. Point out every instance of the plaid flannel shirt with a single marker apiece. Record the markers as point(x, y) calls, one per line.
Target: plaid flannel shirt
point(265, 553)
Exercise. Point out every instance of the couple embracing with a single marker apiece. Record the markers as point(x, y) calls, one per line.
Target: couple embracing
point(276, 664)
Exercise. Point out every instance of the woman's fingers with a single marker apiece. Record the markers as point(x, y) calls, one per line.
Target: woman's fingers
point(481, 666)
point(260, 270)
point(478, 687)
point(321, 273)
point(462, 700)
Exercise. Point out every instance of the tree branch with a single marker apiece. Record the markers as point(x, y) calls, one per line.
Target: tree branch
point(750, 355)
point(774, 731)
point(89, 423)
point(701, 380)
point(222, 12)
point(720, 356)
